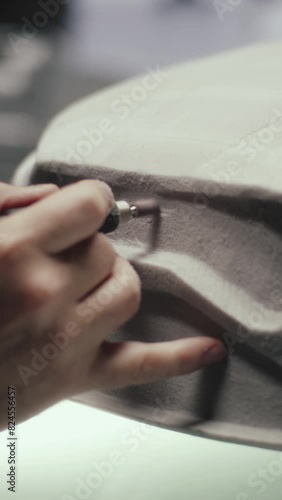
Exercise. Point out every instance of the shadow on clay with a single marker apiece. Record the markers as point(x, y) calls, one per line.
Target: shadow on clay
point(211, 382)
point(220, 235)
point(265, 212)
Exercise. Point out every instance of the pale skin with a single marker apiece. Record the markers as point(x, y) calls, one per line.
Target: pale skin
point(54, 266)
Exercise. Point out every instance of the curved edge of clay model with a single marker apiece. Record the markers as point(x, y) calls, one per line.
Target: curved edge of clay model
point(23, 174)
point(207, 142)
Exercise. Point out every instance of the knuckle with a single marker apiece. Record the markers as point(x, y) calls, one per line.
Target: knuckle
point(185, 359)
point(11, 251)
point(104, 248)
point(128, 287)
point(59, 282)
point(39, 289)
point(91, 203)
point(35, 295)
point(147, 366)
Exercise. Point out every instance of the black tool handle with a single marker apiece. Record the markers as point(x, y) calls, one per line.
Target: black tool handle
point(112, 221)
point(110, 225)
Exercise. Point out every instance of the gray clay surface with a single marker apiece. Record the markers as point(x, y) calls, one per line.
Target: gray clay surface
point(207, 142)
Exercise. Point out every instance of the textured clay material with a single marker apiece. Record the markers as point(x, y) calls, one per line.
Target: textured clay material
point(205, 139)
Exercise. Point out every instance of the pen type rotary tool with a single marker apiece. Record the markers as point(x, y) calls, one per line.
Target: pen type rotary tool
point(124, 211)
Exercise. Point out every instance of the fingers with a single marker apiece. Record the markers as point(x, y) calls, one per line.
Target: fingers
point(113, 303)
point(17, 197)
point(133, 363)
point(37, 286)
point(67, 217)
point(88, 264)
point(33, 281)
point(30, 282)
point(72, 350)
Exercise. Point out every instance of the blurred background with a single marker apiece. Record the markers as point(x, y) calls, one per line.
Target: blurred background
point(53, 52)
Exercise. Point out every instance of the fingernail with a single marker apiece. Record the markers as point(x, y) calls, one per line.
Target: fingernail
point(214, 354)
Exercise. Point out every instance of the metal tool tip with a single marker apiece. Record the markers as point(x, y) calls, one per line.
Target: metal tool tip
point(147, 207)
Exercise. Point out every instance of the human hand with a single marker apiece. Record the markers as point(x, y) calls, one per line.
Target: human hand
point(63, 291)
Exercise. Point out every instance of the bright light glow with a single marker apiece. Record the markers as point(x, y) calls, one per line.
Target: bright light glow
point(71, 444)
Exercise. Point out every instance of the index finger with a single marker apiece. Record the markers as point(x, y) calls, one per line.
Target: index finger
point(124, 364)
point(63, 219)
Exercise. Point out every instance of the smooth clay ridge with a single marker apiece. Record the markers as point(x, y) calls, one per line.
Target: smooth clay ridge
point(210, 149)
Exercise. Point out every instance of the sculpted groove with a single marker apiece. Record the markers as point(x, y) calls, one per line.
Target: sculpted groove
point(207, 142)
